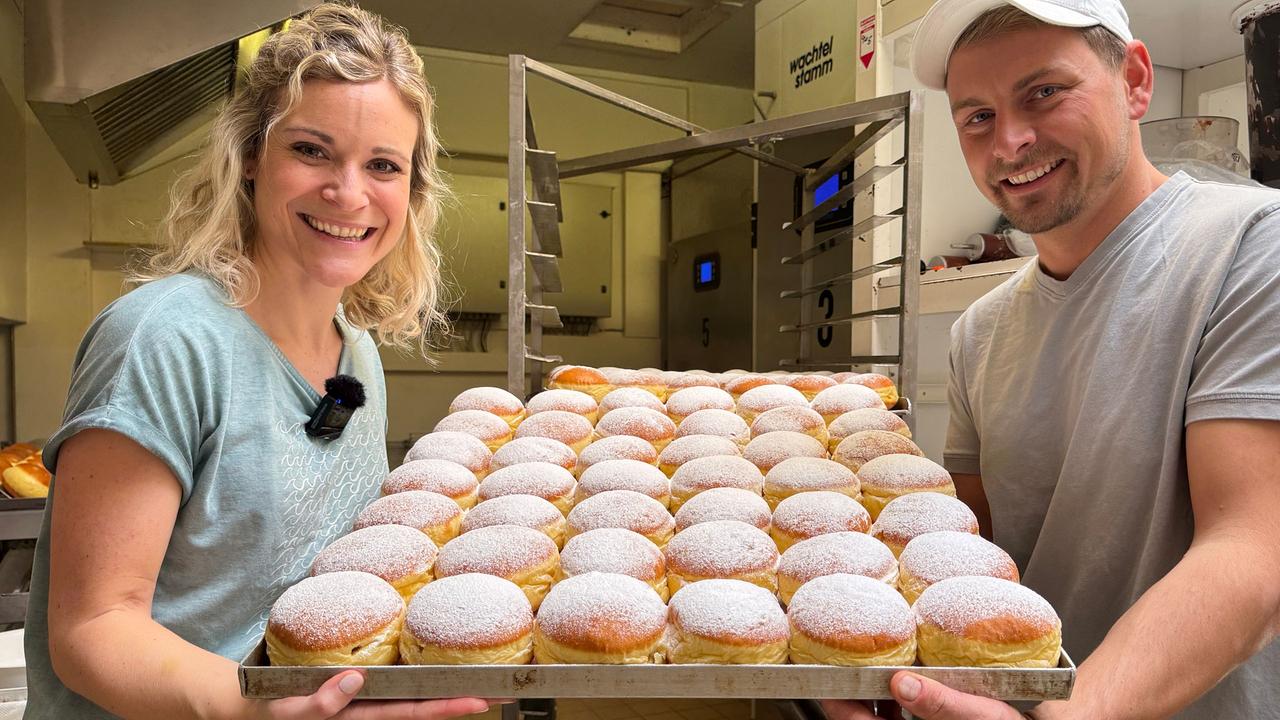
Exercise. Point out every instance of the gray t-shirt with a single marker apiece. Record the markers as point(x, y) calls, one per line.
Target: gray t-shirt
point(1070, 398)
point(199, 385)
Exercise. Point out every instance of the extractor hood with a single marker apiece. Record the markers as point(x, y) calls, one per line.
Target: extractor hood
point(113, 83)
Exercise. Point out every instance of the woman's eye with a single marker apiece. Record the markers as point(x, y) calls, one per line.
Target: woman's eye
point(385, 166)
point(308, 150)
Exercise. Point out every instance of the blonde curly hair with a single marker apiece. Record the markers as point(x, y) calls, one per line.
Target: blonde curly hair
point(211, 223)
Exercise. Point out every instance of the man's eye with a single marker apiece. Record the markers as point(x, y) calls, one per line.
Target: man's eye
point(1046, 91)
point(978, 118)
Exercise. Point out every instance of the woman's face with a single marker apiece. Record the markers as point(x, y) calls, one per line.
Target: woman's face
point(331, 189)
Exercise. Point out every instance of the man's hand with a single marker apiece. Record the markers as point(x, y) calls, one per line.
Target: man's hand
point(926, 699)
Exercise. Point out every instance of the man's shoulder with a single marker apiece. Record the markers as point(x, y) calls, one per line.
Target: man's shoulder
point(1210, 199)
point(977, 319)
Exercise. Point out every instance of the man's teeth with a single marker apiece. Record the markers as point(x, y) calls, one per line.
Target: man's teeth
point(335, 230)
point(1033, 174)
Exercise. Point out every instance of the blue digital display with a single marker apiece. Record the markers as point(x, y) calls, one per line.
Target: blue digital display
point(706, 271)
point(826, 189)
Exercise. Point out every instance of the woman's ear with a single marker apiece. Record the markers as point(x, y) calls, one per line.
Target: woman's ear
point(250, 168)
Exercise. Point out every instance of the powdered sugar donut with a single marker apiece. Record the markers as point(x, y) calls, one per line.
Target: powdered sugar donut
point(809, 514)
point(853, 553)
point(936, 556)
point(986, 622)
point(492, 400)
point(617, 447)
point(466, 450)
point(721, 423)
point(431, 513)
point(890, 476)
point(806, 474)
point(735, 385)
point(488, 428)
point(600, 618)
point(809, 385)
point(724, 503)
point(615, 550)
point(528, 511)
point(865, 419)
point(791, 419)
point(578, 377)
point(549, 482)
point(624, 509)
point(338, 618)
point(726, 622)
point(850, 620)
point(439, 476)
point(860, 447)
point(691, 447)
point(770, 449)
point(701, 474)
point(625, 475)
point(643, 423)
point(469, 619)
point(569, 428)
point(573, 401)
point(840, 399)
point(722, 549)
point(534, 449)
point(767, 397)
point(688, 401)
point(907, 517)
point(645, 380)
point(400, 555)
point(882, 384)
point(677, 381)
point(522, 555)
point(630, 397)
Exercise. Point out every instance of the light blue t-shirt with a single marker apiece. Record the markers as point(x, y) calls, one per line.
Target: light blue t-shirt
point(198, 384)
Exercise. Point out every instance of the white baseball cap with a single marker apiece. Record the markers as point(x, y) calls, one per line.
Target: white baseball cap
point(947, 20)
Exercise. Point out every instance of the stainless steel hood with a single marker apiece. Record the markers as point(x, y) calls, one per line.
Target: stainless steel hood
point(113, 83)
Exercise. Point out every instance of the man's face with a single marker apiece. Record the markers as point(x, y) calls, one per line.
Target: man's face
point(1043, 124)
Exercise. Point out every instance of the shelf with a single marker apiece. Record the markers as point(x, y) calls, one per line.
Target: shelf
point(546, 269)
point(546, 227)
point(548, 315)
point(842, 279)
point(836, 240)
point(843, 319)
point(844, 195)
point(842, 362)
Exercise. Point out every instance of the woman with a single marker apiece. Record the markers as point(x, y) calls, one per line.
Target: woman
point(188, 495)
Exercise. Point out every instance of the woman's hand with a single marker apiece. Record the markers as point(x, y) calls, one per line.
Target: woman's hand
point(334, 700)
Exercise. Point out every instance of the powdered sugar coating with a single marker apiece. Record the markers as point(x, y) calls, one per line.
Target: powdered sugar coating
point(956, 603)
point(578, 403)
point(502, 550)
point(534, 449)
point(630, 397)
point(792, 418)
point(487, 399)
point(569, 428)
point(838, 606)
point(729, 611)
point(625, 509)
point(860, 447)
point(331, 610)
point(691, 447)
point(767, 397)
point(644, 423)
point(809, 384)
point(716, 422)
point(547, 481)
point(688, 401)
point(773, 448)
point(392, 552)
point(617, 447)
point(798, 474)
point(936, 556)
point(613, 550)
point(901, 472)
point(680, 380)
point(737, 384)
point(853, 553)
point(809, 514)
point(602, 609)
point(418, 509)
point(632, 378)
point(721, 548)
point(528, 511)
point(482, 425)
point(840, 399)
point(876, 418)
point(466, 450)
point(624, 475)
point(440, 476)
point(468, 611)
point(724, 503)
point(717, 471)
point(909, 516)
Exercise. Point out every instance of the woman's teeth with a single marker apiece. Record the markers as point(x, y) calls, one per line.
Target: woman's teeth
point(335, 230)
point(1033, 174)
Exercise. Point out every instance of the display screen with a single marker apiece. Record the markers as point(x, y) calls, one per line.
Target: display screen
point(706, 272)
point(826, 189)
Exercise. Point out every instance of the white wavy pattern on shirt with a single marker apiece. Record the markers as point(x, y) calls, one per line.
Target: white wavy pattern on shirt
point(325, 487)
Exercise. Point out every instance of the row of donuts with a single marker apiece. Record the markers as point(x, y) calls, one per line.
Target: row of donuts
point(576, 417)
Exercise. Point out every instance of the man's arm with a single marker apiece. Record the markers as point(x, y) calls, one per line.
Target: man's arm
point(969, 489)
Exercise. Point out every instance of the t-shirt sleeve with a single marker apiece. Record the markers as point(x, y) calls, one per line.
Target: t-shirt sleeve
point(138, 372)
point(1236, 372)
point(960, 455)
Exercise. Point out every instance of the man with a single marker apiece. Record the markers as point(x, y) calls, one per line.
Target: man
point(1117, 403)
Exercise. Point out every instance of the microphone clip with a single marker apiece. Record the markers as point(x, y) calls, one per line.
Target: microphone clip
point(343, 396)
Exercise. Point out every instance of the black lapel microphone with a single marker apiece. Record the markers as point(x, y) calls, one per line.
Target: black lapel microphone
point(343, 395)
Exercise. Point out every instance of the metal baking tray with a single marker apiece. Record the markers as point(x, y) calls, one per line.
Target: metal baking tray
point(259, 680)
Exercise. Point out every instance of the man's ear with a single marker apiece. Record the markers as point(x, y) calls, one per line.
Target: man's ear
point(1139, 79)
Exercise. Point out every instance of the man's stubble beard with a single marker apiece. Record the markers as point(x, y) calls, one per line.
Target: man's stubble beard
point(1046, 215)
